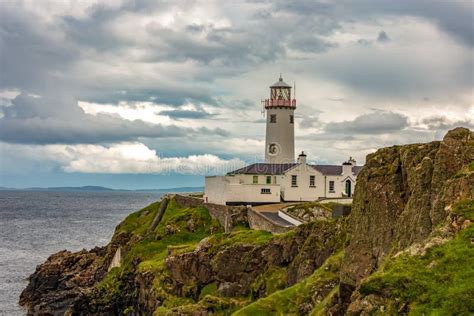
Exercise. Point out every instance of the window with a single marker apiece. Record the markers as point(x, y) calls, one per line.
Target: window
point(312, 181)
point(265, 191)
point(255, 179)
point(269, 179)
point(294, 182)
point(292, 119)
point(273, 118)
point(331, 186)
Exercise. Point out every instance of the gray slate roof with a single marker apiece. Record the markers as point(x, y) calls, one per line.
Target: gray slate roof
point(281, 168)
point(265, 168)
point(332, 170)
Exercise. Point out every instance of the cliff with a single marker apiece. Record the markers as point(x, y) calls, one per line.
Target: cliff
point(406, 247)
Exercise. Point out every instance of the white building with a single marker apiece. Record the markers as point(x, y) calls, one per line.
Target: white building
point(280, 178)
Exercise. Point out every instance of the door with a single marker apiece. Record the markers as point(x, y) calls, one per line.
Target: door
point(348, 188)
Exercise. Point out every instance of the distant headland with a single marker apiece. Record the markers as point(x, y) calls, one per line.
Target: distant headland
point(92, 188)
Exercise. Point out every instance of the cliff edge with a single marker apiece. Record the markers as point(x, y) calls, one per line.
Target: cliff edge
point(405, 248)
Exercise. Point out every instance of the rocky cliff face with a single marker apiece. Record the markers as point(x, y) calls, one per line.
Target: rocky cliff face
point(410, 224)
point(403, 193)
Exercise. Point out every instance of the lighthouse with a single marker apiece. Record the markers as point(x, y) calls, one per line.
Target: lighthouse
point(280, 177)
point(280, 130)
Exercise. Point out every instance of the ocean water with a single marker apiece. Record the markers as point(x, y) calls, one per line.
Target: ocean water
point(34, 225)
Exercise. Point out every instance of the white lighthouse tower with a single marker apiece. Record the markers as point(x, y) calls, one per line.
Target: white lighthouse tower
point(280, 132)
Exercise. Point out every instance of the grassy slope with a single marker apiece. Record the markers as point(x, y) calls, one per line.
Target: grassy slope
point(151, 248)
point(288, 301)
point(441, 282)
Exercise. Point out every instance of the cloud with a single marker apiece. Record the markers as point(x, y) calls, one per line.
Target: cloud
point(124, 158)
point(379, 122)
point(48, 120)
point(219, 57)
point(186, 114)
point(442, 124)
point(383, 37)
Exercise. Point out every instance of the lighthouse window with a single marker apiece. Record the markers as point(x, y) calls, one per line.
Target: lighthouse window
point(269, 179)
point(292, 119)
point(265, 191)
point(255, 180)
point(273, 118)
point(311, 181)
point(294, 181)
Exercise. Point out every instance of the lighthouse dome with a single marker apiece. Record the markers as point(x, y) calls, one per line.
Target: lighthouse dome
point(280, 84)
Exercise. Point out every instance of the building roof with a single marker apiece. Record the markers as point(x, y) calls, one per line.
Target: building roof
point(332, 170)
point(280, 84)
point(264, 168)
point(281, 168)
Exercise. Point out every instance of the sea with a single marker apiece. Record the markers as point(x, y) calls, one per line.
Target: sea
point(34, 225)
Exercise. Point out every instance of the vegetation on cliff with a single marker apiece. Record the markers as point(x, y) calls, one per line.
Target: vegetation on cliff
point(406, 248)
point(310, 296)
point(439, 282)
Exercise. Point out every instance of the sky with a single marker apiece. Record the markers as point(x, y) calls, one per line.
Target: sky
point(156, 94)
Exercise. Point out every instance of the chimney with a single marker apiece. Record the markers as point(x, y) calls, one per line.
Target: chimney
point(347, 166)
point(302, 158)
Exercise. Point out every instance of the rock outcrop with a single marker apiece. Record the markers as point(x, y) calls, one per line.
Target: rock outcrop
point(191, 258)
point(403, 193)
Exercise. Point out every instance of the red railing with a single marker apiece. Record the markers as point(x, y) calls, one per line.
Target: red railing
point(280, 103)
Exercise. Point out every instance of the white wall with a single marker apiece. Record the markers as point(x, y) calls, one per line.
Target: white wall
point(240, 188)
point(283, 133)
point(215, 189)
point(302, 192)
point(223, 189)
point(252, 193)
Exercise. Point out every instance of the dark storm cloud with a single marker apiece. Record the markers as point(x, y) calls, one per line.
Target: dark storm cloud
point(30, 55)
point(175, 96)
point(454, 17)
point(379, 122)
point(66, 52)
point(221, 46)
point(383, 37)
point(440, 122)
point(310, 44)
point(45, 120)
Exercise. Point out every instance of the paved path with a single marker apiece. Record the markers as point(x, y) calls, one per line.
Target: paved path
point(272, 207)
point(277, 219)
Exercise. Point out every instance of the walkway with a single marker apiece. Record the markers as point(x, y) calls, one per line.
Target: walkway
point(274, 208)
point(273, 216)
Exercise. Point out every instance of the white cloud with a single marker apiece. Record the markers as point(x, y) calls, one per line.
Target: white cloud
point(128, 157)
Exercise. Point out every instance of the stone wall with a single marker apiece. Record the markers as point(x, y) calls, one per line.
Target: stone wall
point(188, 201)
point(260, 222)
point(228, 216)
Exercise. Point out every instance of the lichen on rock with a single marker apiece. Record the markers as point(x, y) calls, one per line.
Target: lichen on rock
point(406, 247)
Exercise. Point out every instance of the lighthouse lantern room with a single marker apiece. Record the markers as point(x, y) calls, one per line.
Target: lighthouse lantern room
point(280, 129)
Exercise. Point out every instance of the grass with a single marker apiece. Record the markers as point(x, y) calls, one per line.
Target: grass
point(441, 282)
point(272, 280)
point(137, 223)
point(288, 301)
point(308, 206)
point(147, 252)
point(471, 166)
point(208, 305)
point(210, 289)
point(241, 236)
point(465, 209)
